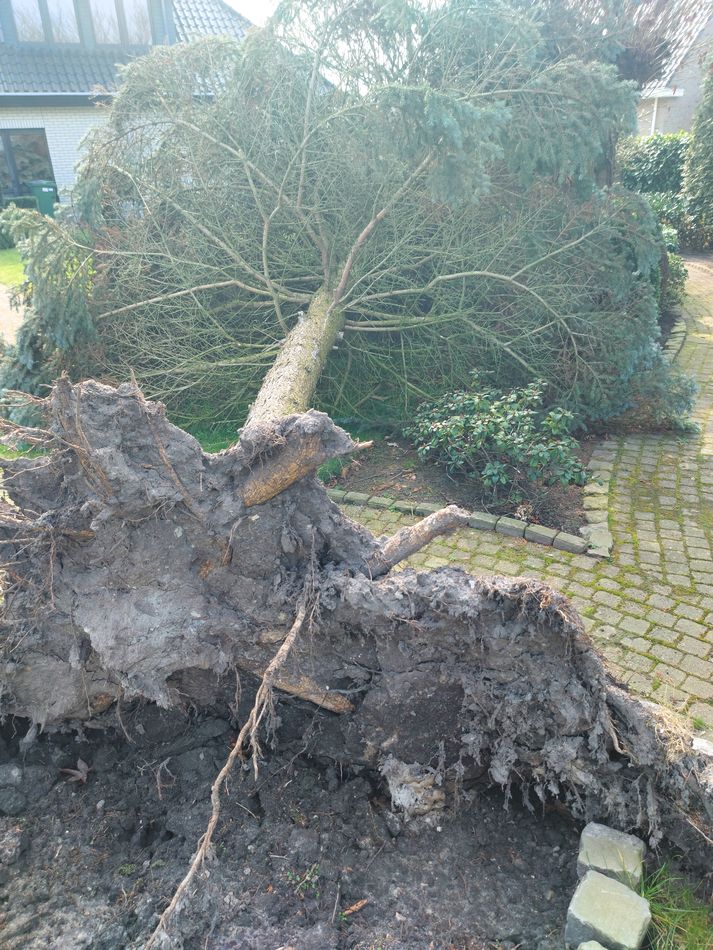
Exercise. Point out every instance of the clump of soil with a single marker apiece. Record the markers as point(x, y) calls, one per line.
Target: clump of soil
point(296, 854)
point(392, 467)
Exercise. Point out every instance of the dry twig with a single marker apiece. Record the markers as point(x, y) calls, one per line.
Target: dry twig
point(248, 736)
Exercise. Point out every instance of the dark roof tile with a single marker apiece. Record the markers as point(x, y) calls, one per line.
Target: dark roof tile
point(27, 70)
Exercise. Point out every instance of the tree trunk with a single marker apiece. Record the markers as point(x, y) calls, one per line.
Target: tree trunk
point(290, 384)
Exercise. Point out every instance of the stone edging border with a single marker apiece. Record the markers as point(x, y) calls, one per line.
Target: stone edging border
point(596, 502)
point(480, 520)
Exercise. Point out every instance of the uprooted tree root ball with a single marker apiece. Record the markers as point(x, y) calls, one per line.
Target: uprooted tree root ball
point(138, 568)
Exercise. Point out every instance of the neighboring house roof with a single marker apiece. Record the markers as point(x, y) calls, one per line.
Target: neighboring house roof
point(681, 37)
point(44, 70)
point(194, 18)
point(59, 71)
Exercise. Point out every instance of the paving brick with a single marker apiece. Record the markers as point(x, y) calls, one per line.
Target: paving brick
point(604, 597)
point(606, 910)
point(638, 644)
point(691, 627)
point(637, 663)
point(668, 655)
point(615, 854)
point(696, 647)
point(669, 674)
point(634, 625)
point(702, 712)
point(701, 689)
point(698, 667)
point(607, 615)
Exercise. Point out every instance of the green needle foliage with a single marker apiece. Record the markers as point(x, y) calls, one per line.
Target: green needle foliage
point(435, 168)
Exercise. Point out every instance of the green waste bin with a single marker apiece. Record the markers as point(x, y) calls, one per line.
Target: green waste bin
point(46, 194)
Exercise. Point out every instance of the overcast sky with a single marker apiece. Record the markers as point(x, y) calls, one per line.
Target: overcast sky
point(255, 10)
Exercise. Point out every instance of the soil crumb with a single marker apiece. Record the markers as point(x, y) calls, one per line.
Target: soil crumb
point(309, 857)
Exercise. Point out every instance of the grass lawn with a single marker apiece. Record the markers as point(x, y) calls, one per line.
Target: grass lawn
point(11, 270)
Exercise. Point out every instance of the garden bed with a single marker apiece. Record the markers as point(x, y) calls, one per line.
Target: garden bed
point(391, 467)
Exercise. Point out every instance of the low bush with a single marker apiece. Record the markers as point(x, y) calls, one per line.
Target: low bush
point(674, 211)
point(671, 172)
point(654, 163)
point(675, 286)
point(698, 175)
point(509, 440)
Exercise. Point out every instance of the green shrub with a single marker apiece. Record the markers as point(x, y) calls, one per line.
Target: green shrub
point(654, 163)
point(508, 440)
point(677, 212)
point(698, 177)
point(675, 285)
point(6, 242)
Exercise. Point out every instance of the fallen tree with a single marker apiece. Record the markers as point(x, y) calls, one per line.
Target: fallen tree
point(138, 566)
point(414, 188)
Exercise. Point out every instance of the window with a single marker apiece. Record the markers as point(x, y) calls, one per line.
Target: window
point(24, 157)
point(28, 21)
point(121, 21)
point(138, 25)
point(63, 21)
point(105, 21)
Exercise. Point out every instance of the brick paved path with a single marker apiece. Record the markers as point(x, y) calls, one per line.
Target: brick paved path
point(650, 609)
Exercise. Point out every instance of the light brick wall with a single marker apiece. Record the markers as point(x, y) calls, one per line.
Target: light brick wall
point(676, 114)
point(65, 128)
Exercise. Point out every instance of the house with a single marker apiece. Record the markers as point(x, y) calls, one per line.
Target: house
point(668, 103)
point(54, 57)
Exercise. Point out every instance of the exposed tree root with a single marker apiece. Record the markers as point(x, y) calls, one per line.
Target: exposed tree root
point(248, 736)
point(135, 564)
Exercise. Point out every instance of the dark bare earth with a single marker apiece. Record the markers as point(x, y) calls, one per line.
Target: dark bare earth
point(292, 855)
point(392, 467)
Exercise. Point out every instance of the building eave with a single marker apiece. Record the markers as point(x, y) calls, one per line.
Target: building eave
point(668, 92)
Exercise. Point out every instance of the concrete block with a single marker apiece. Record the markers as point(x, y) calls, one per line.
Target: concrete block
point(611, 852)
point(407, 507)
point(380, 501)
point(424, 509)
point(511, 527)
point(596, 488)
point(540, 534)
point(483, 521)
point(607, 911)
point(570, 542)
point(591, 945)
point(356, 498)
point(600, 539)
